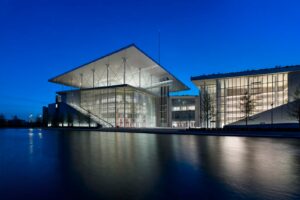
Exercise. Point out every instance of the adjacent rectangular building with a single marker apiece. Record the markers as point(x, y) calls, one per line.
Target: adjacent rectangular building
point(222, 96)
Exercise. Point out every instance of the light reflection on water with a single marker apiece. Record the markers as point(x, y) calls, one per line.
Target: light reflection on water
point(93, 165)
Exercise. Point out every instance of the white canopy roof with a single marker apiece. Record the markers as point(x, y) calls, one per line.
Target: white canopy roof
point(140, 71)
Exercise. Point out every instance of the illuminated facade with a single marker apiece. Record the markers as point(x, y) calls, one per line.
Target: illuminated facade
point(125, 88)
point(269, 90)
point(111, 107)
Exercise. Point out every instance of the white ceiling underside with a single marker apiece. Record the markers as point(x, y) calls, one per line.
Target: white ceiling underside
point(140, 71)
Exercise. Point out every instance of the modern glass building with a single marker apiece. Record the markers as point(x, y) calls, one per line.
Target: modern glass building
point(126, 88)
point(268, 91)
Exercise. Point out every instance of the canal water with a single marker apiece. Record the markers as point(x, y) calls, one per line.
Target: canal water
point(52, 164)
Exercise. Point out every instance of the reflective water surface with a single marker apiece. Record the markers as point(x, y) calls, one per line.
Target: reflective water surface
point(51, 164)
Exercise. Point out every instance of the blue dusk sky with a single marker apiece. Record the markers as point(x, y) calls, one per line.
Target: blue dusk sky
point(43, 38)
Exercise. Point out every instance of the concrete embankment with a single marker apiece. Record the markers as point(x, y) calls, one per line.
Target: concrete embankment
point(213, 132)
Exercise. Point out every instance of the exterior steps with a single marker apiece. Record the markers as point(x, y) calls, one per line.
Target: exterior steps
point(95, 118)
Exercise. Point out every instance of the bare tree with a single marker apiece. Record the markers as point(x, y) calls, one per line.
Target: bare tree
point(294, 107)
point(247, 106)
point(207, 107)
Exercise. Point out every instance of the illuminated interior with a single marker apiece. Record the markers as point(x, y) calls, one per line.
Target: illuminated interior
point(267, 91)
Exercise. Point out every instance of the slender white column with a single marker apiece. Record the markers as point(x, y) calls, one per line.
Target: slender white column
point(81, 77)
point(124, 70)
point(139, 77)
point(93, 70)
point(107, 74)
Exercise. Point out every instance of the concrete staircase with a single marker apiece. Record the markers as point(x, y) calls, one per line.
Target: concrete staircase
point(95, 118)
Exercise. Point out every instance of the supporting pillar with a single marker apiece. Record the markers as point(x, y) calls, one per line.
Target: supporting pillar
point(124, 95)
point(124, 111)
point(151, 83)
point(124, 70)
point(272, 103)
point(115, 107)
point(107, 73)
point(139, 77)
point(107, 66)
point(81, 77)
point(94, 101)
point(93, 70)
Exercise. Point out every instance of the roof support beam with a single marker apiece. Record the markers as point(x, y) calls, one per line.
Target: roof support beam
point(93, 70)
point(107, 74)
point(124, 70)
point(139, 77)
point(81, 77)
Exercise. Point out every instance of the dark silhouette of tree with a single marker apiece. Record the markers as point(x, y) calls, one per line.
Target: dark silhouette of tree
point(61, 118)
point(207, 107)
point(38, 121)
point(15, 118)
point(79, 117)
point(247, 106)
point(54, 120)
point(294, 106)
point(70, 119)
point(3, 121)
point(15, 122)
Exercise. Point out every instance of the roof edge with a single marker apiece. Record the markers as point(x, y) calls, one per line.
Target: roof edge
point(94, 60)
point(116, 51)
point(289, 68)
point(153, 60)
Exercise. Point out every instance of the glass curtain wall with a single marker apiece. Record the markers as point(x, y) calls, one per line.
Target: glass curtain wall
point(266, 92)
point(119, 106)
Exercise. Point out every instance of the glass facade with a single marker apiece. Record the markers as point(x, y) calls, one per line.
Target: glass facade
point(118, 106)
point(267, 91)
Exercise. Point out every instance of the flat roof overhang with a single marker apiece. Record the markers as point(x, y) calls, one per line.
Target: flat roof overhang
point(141, 71)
